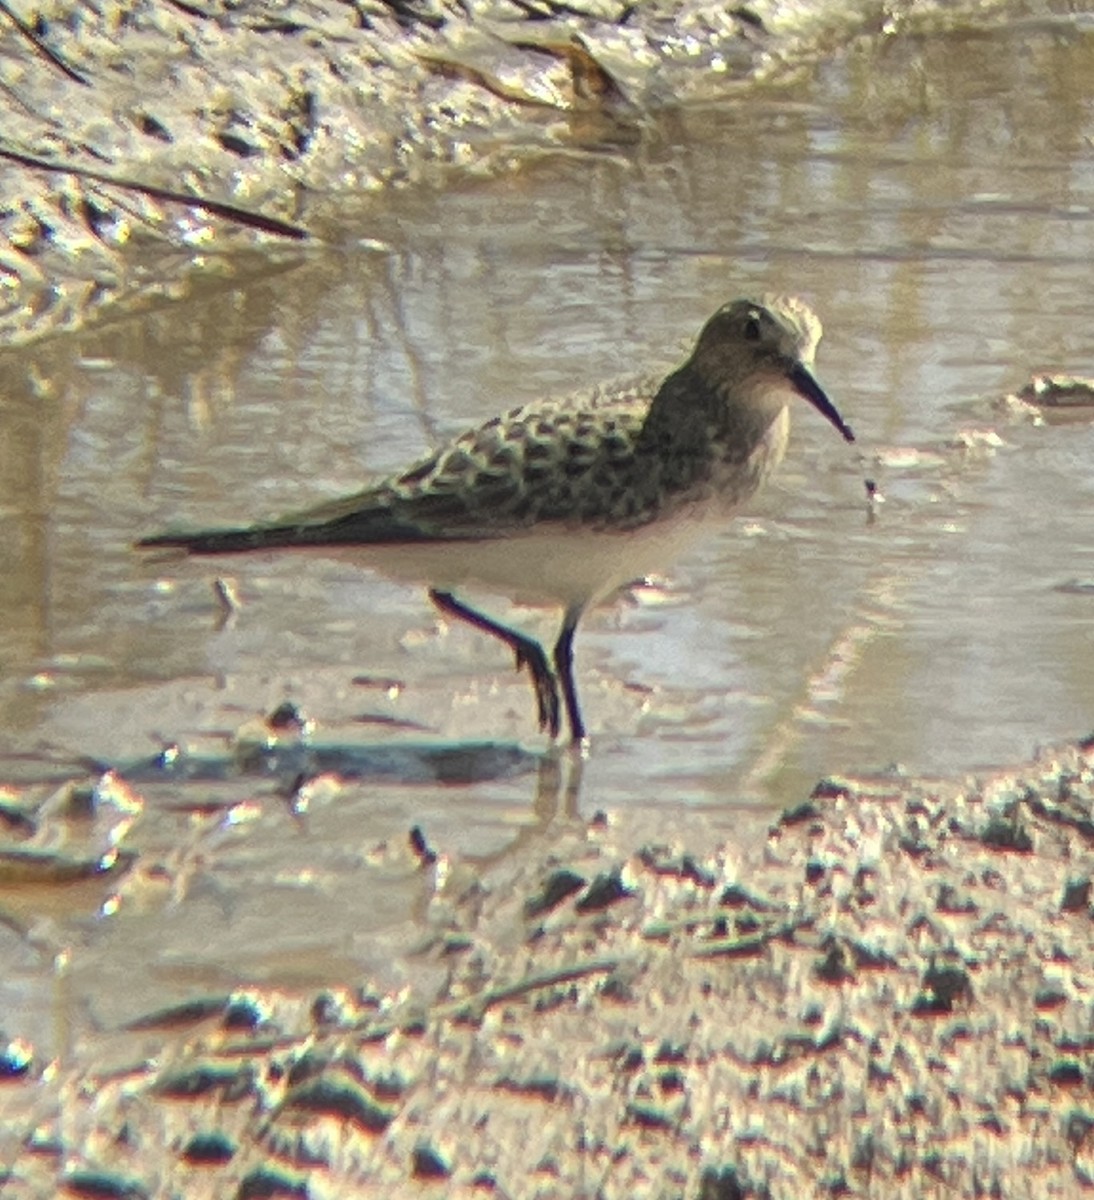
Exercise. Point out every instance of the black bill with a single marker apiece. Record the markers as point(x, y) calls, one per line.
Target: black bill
point(807, 386)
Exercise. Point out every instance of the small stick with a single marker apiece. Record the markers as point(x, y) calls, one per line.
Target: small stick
point(217, 208)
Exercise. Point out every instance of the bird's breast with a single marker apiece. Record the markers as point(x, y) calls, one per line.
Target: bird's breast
point(739, 471)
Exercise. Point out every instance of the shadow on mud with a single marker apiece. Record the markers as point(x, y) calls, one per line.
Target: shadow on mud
point(410, 762)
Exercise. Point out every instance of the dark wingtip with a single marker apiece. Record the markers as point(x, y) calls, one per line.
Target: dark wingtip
point(211, 542)
point(164, 541)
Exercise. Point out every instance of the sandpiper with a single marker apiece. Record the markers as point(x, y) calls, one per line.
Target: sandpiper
point(567, 500)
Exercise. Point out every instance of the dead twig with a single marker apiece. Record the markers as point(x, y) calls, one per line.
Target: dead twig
point(217, 208)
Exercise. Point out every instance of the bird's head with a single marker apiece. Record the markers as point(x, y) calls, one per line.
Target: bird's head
point(755, 348)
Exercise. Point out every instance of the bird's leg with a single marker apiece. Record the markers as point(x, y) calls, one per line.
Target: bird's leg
point(564, 668)
point(529, 653)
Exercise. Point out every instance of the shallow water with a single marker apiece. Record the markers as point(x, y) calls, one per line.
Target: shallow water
point(933, 197)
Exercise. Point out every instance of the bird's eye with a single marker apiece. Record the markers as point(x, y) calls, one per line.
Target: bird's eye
point(752, 329)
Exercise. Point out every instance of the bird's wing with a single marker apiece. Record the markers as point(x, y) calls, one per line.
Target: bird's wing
point(562, 461)
point(569, 460)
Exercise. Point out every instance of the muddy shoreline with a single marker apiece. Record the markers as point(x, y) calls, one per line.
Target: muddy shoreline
point(884, 992)
point(305, 113)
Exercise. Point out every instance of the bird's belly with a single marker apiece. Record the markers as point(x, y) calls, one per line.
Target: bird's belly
point(552, 564)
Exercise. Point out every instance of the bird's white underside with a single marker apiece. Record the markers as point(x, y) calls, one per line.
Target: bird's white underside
point(551, 564)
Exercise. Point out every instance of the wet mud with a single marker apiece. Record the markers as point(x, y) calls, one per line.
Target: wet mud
point(137, 130)
point(883, 991)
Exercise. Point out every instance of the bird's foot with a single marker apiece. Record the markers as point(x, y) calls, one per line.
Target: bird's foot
point(530, 654)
